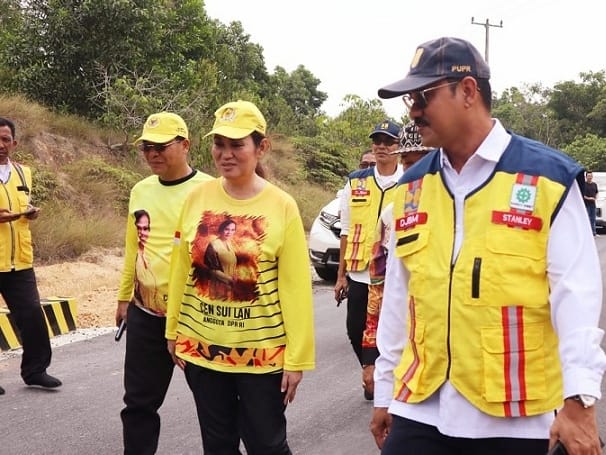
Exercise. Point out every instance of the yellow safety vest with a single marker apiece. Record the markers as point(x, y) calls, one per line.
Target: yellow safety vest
point(365, 204)
point(16, 251)
point(483, 323)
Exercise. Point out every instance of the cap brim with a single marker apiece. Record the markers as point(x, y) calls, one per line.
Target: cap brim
point(387, 133)
point(230, 132)
point(422, 149)
point(406, 85)
point(156, 138)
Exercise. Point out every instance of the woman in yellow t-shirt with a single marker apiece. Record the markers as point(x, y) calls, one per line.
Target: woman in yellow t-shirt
point(240, 313)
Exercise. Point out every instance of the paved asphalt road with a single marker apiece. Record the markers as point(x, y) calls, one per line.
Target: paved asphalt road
point(328, 417)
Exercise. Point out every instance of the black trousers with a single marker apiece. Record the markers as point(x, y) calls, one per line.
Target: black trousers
point(148, 369)
point(357, 302)
point(20, 292)
point(239, 405)
point(407, 437)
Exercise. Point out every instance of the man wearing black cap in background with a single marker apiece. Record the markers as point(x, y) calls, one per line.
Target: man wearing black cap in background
point(365, 194)
point(410, 151)
point(490, 313)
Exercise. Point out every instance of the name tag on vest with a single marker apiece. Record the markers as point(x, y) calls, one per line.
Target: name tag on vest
point(517, 220)
point(360, 192)
point(411, 220)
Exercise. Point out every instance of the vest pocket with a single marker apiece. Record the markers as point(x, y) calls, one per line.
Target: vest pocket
point(411, 242)
point(25, 252)
point(513, 256)
point(411, 248)
point(513, 363)
point(23, 202)
point(412, 364)
point(359, 201)
point(355, 243)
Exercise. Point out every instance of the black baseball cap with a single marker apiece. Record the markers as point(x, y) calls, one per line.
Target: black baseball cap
point(386, 127)
point(439, 59)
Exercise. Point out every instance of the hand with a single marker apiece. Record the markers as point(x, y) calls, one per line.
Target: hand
point(7, 216)
point(171, 346)
point(368, 378)
point(379, 425)
point(576, 428)
point(341, 287)
point(290, 381)
point(121, 311)
point(32, 212)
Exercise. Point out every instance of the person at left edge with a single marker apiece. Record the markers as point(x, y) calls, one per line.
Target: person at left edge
point(17, 279)
point(244, 353)
point(366, 193)
point(154, 206)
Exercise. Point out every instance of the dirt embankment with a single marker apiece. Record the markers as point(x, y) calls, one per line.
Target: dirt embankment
point(92, 281)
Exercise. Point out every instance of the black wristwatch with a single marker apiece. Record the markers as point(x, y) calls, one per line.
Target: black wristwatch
point(586, 400)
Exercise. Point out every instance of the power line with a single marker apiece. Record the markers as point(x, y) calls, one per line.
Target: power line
point(486, 25)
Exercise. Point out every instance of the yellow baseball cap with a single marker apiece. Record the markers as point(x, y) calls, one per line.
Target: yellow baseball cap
point(163, 127)
point(238, 119)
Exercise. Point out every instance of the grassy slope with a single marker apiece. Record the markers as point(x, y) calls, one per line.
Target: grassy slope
point(82, 182)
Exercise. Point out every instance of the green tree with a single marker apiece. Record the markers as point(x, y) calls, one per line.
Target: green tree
point(65, 55)
point(10, 26)
point(580, 107)
point(525, 111)
point(295, 100)
point(589, 150)
point(300, 91)
point(333, 152)
point(240, 63)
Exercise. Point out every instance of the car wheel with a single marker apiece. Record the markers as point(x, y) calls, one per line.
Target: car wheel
point(326, 274)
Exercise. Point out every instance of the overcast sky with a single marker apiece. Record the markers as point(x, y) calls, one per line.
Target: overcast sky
point(356, 47)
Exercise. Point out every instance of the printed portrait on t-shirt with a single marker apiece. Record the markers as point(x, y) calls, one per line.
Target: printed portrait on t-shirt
point(146, 291)
point(225, 254)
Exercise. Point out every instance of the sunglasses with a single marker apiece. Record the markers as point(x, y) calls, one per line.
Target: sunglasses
point(421, 98)
point(148, 147)
point(367, 164)
point(378, 140)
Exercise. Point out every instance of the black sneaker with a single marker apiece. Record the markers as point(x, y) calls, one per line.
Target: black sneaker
point(43, 380)
point(1, 391)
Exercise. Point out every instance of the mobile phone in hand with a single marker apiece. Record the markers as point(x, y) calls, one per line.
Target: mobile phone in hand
point(121, 329)
point(558, 449)
point(342, 296)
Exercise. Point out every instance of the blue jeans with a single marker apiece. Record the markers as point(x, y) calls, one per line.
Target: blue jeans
point(591, 214)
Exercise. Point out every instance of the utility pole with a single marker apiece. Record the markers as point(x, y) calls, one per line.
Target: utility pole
point(486, 25)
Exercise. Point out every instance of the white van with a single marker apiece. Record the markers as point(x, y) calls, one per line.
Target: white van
point(600, 204)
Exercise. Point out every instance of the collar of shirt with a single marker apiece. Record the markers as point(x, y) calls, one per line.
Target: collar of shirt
point(385, 181)
point(478, 168)
point(5, 172)
point(491, 148)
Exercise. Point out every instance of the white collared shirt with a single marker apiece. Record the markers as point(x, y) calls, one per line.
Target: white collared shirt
point(575, 280)
point(5, 172)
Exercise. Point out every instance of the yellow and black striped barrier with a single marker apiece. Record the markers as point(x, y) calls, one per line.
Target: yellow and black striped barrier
point(60, 314)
